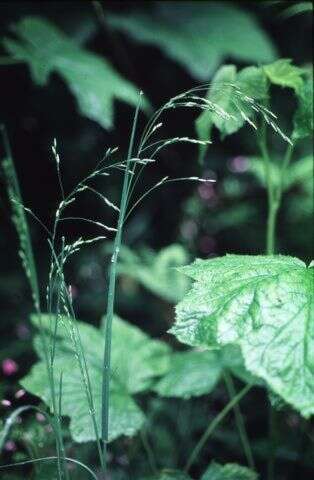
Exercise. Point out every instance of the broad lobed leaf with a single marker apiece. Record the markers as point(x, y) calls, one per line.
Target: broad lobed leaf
point(136, 361)
point(92, 80)
point(264, 304)
point(223, 30)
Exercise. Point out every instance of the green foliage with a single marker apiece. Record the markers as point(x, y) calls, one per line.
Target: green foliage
point(303, 118)
point(157, 271)
point(191, 374)
point(224, 91)
point(92, 80)
point(195, 372)
point(136, 361)
point(230, 471)
point(284, 74)
point(201, 36)
point(169, 475)
point(298, 173)
point(264, 304)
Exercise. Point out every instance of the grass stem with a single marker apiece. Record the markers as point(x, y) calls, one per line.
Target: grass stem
point(111, 290)
point(213, 425)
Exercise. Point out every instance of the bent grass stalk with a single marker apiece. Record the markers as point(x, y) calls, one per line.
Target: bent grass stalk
point(212, 426)
point(111, 291)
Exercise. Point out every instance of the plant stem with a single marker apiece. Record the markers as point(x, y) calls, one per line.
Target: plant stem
point(211, 427)
point(271, 227)
point(149, 452)
point(272, 432)
point(274, 196)
point(31, 273)
point(240, 422)
point(111, 291)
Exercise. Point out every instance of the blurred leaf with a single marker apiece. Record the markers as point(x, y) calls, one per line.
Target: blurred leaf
point(199, 36)
point(133, 369)
point(284, 74)
point(297, 173)
point(169, 475)
point(297, 8)
point(264, 304)
point(157, 271)
point(191, 374)
point(224, 92)
point(303, 118)
point(230, 471)
point(91, 79)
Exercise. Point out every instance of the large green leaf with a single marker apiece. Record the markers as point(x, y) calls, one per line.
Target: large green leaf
point(303, 118)
point(284, 74)
point(230, 471)
point(92, 80)
point(264, 304)
point(199, 36)
point(136, 360)
point(157, 271)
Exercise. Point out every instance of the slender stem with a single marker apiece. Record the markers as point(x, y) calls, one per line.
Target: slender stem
point(271, 227)
point(240, 422)
point(274, 196)
point(272, 432)
point(149, 452)
point(211, 427)
point(111, 291)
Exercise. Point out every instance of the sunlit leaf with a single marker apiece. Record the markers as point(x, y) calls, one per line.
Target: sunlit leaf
point(284, 74)
point(264, 304)
point(199, 36)
point(92, 80)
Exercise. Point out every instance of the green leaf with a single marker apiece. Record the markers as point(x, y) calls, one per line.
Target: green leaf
point(201, 36)
point(92, 80)
point(264, 304)
point(157, 271)
point(224, 92)
point(284, 74)
point(230, 471)
point(191, 374)
point(298, 172)
point(133, 371)
point(303, 118)
point(297, 8)
point(169, 475)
